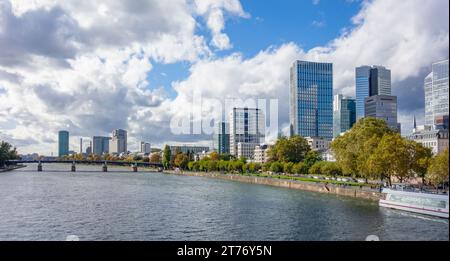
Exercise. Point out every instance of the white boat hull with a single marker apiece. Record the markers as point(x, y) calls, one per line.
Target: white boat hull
point(437, 212)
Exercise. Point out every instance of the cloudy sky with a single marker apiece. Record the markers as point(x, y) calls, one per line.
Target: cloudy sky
point(90, 68)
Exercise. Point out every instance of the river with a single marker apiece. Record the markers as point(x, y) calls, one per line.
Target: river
point(122, 205)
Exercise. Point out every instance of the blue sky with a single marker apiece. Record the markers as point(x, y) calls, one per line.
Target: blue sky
point(273, 23)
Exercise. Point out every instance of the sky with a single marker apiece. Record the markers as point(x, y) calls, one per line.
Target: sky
point(90, 67)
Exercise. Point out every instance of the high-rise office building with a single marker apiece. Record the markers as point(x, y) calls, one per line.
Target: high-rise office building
point(118, 143)
point(311, 99)
point(146, 148)
point(383, 107)
point(247, 130)
point(370, 81)
point(436, 94)
point(63, 143)
point(222, 138)
point(344, 114)
point(100, 145)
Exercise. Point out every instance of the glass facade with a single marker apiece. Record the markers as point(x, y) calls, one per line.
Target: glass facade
point(311, 99)
point(100, 145)
point(63, 143)
point(222, 138)
point(383, 107)
point(119, 141)
point(436, 93)
point(344, 114)
point(370, 81)
point(247, 126)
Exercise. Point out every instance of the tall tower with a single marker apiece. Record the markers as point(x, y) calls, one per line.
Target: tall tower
point(311, 99)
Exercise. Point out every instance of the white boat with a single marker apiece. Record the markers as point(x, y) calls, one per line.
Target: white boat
point(423, 203)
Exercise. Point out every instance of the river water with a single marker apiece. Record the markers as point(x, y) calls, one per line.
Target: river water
point(122, 205)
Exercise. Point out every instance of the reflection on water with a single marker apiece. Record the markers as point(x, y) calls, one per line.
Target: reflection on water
point(122, 205)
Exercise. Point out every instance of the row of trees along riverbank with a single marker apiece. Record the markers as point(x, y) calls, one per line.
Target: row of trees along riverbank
point(370, 151)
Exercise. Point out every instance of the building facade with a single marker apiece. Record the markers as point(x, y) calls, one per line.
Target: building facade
point(383, 107)
point(370, 81)
point(318, 143)
point(100, 145)
point(344, 114)
point(436, 93)
point(261, 154)
point(247, 126)
point(222, 138)
point(118, 143)
point(185, 149)
point(63, 143)
point(311, 99)
point(436, 140)
point(145, 148)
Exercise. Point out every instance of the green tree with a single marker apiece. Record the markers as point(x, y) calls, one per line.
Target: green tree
point(353, 149)
point(317, 168)
point(420, 158)
point(276, 167)
point(390, 158)
point(288, 167)
point(167, 157)
point(331, 169)
point(438, 170)
point(300, 168)
point(7, 152)
point(292, 149)
point(311, 158)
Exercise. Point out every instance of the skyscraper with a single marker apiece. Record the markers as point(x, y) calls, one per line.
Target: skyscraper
point(436, 94)
point(145, 147)
point(100, 145)
point(383, 107)
point(118, 142)
point(63, 143)
point(370, 81)
point(311, 99)
point(344, 114)
point(222, 138)
point(247, 130)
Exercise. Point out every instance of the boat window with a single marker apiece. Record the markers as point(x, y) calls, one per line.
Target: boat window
point(428, 202)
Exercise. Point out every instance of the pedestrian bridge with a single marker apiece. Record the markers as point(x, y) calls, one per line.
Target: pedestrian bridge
point(103, 163)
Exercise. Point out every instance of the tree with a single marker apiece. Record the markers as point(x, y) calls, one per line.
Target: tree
point(181, 160)
point(214, 156)
point(155, 157)
point(420, 158)
point(288, 167)
point(331, 169)
point(390, 158)
point(293, 149)
point(311, 158)
point(438, 170)
point(276, 167)
point(300, 168)
point(167, 157)
point(7, 152)
point(226, 157)
point(353, 149)
point(317, 168)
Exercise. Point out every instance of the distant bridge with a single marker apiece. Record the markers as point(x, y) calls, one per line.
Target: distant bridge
point(104, 163)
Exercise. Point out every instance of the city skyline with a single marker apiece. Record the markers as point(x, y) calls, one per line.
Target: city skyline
point(93, 87)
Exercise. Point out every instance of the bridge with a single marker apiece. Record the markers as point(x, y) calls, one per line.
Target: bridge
point(104, 163)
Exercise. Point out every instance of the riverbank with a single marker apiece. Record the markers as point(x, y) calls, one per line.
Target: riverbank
point(355, 192)
point(12, 168)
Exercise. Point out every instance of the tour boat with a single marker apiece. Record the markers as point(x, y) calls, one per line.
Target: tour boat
point(423, 203)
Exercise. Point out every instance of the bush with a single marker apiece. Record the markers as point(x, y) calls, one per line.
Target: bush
point(317, 168)
point(288, 167)
point(300, 168)
point(266, 166)
point(331, 169)
point(276, 167)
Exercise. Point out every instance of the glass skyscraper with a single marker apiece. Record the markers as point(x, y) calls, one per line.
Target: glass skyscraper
point(63, 143)
point(370, 81)
point(436, 93)
point(344, 114)
point(247, 130)
point(383, 107)
point(222, 138)
point(100, 145)
point(118, 142)
point(311, 99)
